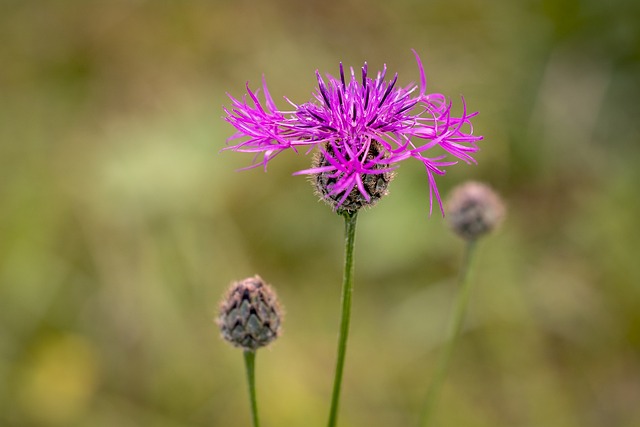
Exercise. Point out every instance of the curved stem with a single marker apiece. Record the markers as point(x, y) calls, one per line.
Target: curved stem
point(462, 300)
point(249, 363)
point(347, 289)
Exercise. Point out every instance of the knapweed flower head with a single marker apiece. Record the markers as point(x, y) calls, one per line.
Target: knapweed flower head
point(474, 209)
point(375, 185)
point(363, 127)
point(250, 315)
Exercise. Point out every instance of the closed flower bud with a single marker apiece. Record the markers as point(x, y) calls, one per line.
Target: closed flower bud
point(373, 173)
point(250, 314)
point(474, 209)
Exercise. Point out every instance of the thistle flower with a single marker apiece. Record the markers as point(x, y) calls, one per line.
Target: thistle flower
point(250, 314)
point(474, 209)
point(363, 128)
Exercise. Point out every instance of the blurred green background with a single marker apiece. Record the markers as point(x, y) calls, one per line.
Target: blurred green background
point(121, 223)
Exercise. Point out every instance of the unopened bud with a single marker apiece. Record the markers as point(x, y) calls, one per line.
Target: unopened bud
point(250, 314)
point(474, 209)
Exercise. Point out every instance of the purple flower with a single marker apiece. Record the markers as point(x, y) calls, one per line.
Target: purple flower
point(362, 127)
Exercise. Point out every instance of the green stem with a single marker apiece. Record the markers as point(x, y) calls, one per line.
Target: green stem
point(455, 327)
point(250, 364)
point(347, 290)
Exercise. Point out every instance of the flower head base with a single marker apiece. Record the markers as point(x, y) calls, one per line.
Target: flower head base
point(250, 314)
point(374, 184)
point(474, 209)
point(362, 126)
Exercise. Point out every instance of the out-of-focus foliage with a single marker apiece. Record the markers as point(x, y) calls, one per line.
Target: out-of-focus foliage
point(121, 223)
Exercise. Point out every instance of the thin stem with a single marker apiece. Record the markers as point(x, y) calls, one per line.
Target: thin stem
point(250, 363)
point(347, 289)
point(455, 327)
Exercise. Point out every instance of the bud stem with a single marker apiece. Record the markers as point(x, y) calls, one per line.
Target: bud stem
point(249, 363)
point(455, 327)
point(347, 289)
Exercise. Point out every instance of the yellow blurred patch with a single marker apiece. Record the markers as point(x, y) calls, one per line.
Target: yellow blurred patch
point(57, 385)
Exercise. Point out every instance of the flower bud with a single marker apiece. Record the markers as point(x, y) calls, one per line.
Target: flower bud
point(474, 209)
point(374, 184)
point(250, 314)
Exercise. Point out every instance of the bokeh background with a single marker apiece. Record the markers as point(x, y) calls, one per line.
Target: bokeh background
point(122, 224)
